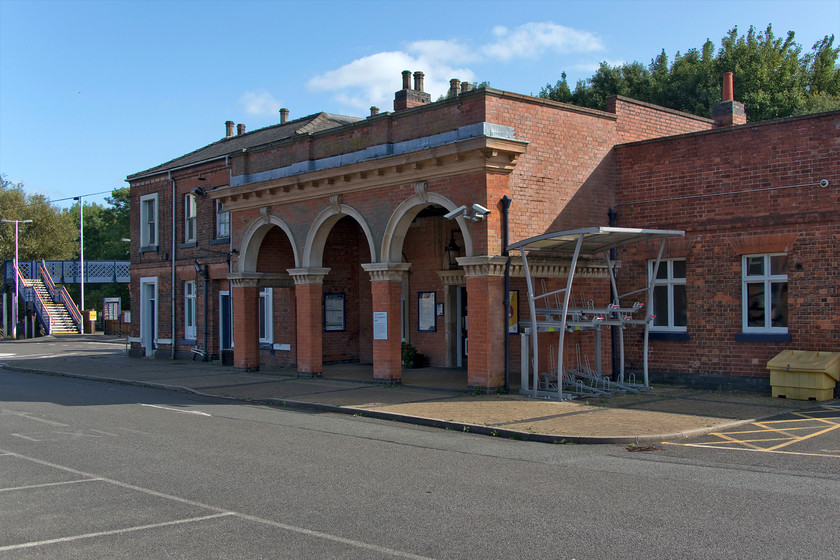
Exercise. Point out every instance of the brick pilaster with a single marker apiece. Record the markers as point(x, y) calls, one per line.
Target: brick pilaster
point(308, 296)
point(386, 290)
point(487, 320)
point(246, 336)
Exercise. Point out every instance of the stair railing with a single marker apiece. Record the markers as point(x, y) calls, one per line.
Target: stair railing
point(46, 278)
point(32, 296)
point(59, 295)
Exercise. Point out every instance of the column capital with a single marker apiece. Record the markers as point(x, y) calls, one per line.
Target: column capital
point(484, 265)
point(453, 277)
point(308, 275)
point(385, 272)
point(260, 280)
point(244, 280)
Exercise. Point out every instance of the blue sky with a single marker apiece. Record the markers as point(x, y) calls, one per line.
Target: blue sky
point(91, 92)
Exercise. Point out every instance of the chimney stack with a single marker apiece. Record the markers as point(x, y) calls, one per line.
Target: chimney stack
point(374, 111)
point(727, 87)
point(466, 86)
point(284, 115)
point(728, 112)
point(228, 129)
point(240, 129)
point(407, 98)
point(454, 86)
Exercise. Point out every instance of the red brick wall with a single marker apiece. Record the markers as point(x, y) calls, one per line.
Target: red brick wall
point(697, 172)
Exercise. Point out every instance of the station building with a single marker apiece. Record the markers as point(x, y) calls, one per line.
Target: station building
point(328, 239)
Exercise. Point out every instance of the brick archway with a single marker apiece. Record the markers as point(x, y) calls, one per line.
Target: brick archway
point(249, 249)
point(313, 251)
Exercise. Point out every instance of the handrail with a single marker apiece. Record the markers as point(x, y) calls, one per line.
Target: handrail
point(46, 279)
point(64, 298)
point(31, 294)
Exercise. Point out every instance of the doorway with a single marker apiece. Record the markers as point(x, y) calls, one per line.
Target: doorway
point(461, 354)
point(148, 314)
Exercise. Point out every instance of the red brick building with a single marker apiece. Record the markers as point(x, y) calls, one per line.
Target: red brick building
point(326, 238)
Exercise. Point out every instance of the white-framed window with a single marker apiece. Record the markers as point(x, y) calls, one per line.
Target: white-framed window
point(265, 316)
point(189, 310)
point(765, 293)
point(149, 220)
point(670, 300)
point(189, 218)
point(222, 221)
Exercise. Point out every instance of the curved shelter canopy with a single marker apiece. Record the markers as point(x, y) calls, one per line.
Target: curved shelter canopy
point(587, 241)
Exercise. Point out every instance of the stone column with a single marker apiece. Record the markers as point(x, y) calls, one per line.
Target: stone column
point(386, 290)
point(308, 296)
point(246, 335)
point(487, 321)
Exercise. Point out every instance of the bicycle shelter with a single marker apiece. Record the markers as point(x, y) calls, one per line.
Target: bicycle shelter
point(563, 317)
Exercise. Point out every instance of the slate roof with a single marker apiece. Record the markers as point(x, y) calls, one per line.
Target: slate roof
point(270, 134)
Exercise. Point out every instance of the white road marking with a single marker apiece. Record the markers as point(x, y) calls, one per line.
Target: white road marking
point(26, 437)
point(113, 532)
point(30, 417)
point(219, 513)
point(176, 409)
point(47, 484)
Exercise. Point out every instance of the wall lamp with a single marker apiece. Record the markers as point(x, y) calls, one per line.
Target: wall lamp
point(199, 191)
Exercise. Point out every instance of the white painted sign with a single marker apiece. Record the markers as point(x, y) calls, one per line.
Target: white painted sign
point(380, 325)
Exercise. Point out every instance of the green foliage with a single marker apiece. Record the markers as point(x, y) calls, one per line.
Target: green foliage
point(51, 235)
point(409, 355)
point(772, 78)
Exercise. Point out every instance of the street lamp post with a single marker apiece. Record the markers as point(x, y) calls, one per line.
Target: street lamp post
point(17, 274)
point(81, 252)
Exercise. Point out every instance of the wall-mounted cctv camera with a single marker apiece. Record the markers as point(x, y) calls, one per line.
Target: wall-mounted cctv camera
point(460, 211)
point(480, 211)
point(824, 183)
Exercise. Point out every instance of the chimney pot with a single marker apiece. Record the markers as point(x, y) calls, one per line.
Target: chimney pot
point(284, 115)
point(374, 111)
point(454, 84)
point(228, 129)
point(728, 94)
point(466, 86)
point(406, 75)
point(240, 129)
point(418, 81)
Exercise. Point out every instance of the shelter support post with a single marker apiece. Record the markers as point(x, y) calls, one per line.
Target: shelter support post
point(246, 355)
point(386, 280)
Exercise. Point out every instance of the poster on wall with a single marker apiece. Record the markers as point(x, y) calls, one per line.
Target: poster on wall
point(513, 311)
point(380, 325)
point(334, 312)
point(426, 311)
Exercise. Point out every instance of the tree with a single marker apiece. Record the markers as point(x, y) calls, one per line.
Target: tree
point(772, 78)
point(51, 235)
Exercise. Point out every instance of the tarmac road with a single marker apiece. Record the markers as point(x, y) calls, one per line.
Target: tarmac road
point(102, 470)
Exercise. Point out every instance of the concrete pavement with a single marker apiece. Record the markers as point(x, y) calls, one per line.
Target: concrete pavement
point(429, 396)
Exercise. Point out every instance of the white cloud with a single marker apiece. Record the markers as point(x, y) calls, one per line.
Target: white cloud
point(373, 79)
point(260, 103)
point(531, 40)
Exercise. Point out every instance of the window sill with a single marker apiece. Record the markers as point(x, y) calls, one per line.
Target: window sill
point(188, 342)
point(189, 245)
point(669, 335)
point(149, 249)
point(762, 337)
point(220, 241)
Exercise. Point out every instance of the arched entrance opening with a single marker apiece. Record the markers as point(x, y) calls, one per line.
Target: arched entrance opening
point(276, 321)
point(347, 315)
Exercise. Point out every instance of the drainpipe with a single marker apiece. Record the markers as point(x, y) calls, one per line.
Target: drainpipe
point(613, 329)
point(172, 283)
point(205, 275)
point(505, 232)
